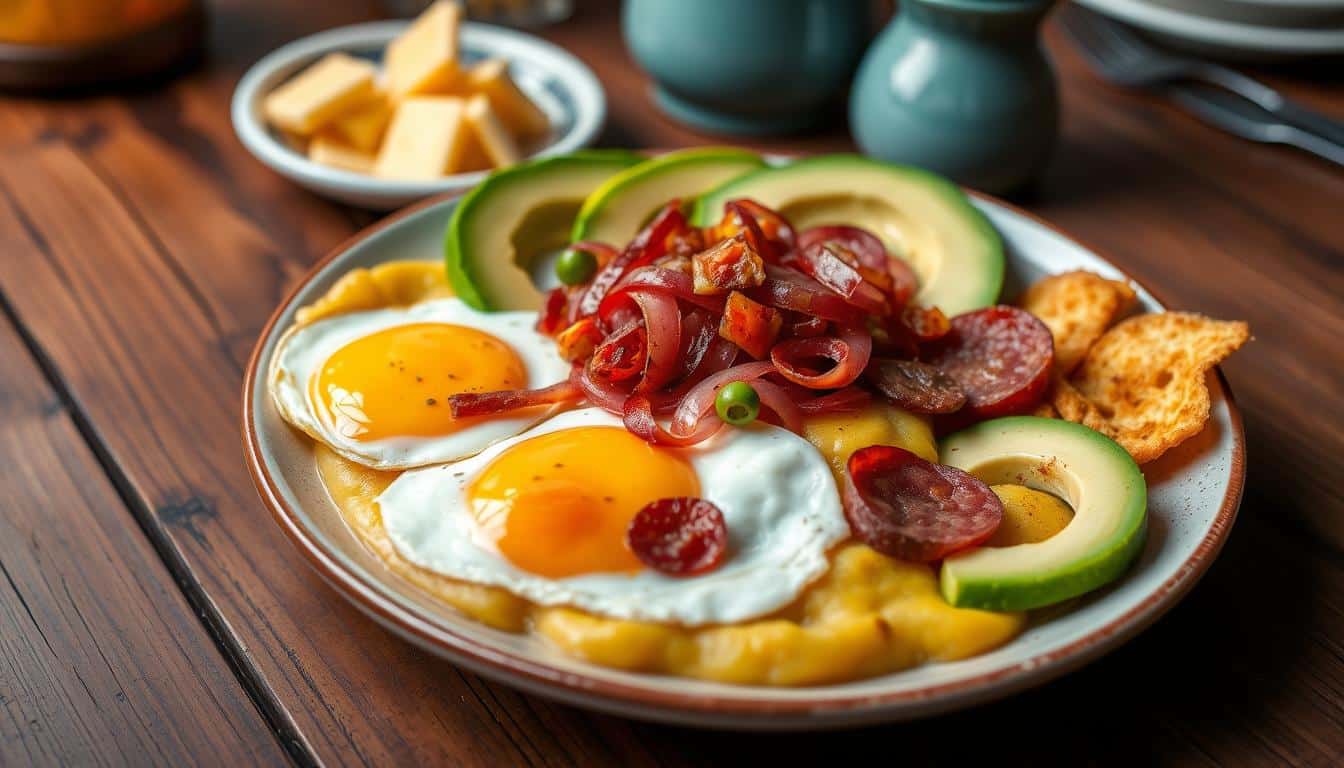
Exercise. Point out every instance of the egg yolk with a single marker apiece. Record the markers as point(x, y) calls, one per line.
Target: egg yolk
point(396, 382)
point(558, 504)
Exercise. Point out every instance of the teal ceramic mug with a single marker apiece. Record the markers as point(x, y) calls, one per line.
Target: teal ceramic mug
point(961, 87)
point(747, 67)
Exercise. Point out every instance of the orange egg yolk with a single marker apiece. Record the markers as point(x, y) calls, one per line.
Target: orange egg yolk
point(396, 382)
point(558, 504)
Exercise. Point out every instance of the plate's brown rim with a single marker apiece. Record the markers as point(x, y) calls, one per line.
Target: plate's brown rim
point(544, 676)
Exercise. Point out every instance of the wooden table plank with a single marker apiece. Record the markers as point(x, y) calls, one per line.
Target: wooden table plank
point(101, 659)
point(152, 249)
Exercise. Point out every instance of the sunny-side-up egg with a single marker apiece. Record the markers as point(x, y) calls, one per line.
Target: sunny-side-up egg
point(374, 385)
point(544, 515)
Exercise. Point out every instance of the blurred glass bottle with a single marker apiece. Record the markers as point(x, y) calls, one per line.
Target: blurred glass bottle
point(61, 44)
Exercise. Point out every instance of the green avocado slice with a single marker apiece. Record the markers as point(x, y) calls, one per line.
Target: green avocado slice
point(615, 211)
point(922, 218)
point(516, 216)
point(1085, 468)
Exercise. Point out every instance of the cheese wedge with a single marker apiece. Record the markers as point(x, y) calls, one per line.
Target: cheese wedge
point(363, 127)
point(516, 111)
point(319, 94)
point(329, 150)
point(489, 133)
point(426, 140)
point(423, 59)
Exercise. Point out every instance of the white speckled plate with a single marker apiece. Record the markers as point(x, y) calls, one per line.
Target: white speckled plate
point(559, 83)
point(1193, 27)
point(1193, 495)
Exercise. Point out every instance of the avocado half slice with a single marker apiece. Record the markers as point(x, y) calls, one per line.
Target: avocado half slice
point(922, 218)
point(516, 216)
point(1086, 469)
point(616, 211)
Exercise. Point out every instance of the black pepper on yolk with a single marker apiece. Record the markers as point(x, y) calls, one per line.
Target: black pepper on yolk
point(558, 504)
point(395, 383)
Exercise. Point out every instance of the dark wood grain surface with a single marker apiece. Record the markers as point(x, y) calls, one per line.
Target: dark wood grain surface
point(142, 249)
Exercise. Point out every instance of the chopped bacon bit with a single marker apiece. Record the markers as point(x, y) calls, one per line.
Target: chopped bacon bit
point(578, 341)
point(731, 265)
point(679, 537)
point(832, 265)
point(622, 354)
point(467, 404)
point(926, 323)
point(686, 242)
point(751, 326)
point(676, 263)
point(881, 280)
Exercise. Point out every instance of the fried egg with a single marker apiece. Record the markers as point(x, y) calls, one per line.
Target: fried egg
point(543, 515)
point(374, 385)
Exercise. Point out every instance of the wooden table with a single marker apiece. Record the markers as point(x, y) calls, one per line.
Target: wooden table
point(150, 611)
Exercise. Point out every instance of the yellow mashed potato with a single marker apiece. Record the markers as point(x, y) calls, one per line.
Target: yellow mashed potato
point(867, 616)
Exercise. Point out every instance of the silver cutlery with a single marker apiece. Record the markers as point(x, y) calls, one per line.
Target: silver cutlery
point(1242, 118)
point(1123, 57)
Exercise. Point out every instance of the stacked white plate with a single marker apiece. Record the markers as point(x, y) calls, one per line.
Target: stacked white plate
point(1236, 28)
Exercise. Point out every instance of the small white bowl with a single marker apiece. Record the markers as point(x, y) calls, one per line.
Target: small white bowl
point(559, 83)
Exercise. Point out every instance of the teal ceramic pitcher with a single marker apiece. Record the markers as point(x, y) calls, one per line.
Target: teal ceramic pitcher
point(747, 66)
point(961, 87)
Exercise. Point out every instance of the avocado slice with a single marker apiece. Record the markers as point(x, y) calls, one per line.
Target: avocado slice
point(1085, 468)
point(923, 218)
point(515, 217)
point(615, 211)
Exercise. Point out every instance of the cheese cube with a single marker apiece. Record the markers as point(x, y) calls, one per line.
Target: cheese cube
point(489, 133)
point(473, 156)
point(423, 59)
point(328, 149)
point(523, 118)
point(425, 141)
point(363, 127)
point(320, 93)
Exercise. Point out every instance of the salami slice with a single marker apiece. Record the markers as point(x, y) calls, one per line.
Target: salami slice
point(915, 386)
point(1001, 357)
point(679, 537)
point(912, 509)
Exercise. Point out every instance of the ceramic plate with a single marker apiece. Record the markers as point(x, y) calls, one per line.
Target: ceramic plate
point(1220, 36)
point(560, 84)
point(1291, 14)
point(1193, 495)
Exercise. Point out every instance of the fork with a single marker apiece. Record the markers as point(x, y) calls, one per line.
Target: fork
point(1242, 118)
point(1123, 57)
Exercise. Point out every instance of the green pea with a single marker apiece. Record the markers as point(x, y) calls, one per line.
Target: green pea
point(738, 404)
point(575, 267)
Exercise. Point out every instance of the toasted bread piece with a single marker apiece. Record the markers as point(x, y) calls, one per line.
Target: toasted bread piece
point(1142, 382)
point(1077, 307)
point(1072, 406)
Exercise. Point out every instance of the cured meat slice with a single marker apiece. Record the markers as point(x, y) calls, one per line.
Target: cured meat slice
point(912, 509)
point(915, 386)
point(679, 537)
point(1001, 357)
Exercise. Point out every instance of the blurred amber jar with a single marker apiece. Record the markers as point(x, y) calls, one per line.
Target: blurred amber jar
point(56, 44)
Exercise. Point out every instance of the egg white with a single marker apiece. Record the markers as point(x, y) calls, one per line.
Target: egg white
point(775, 490)
point(303, 351)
